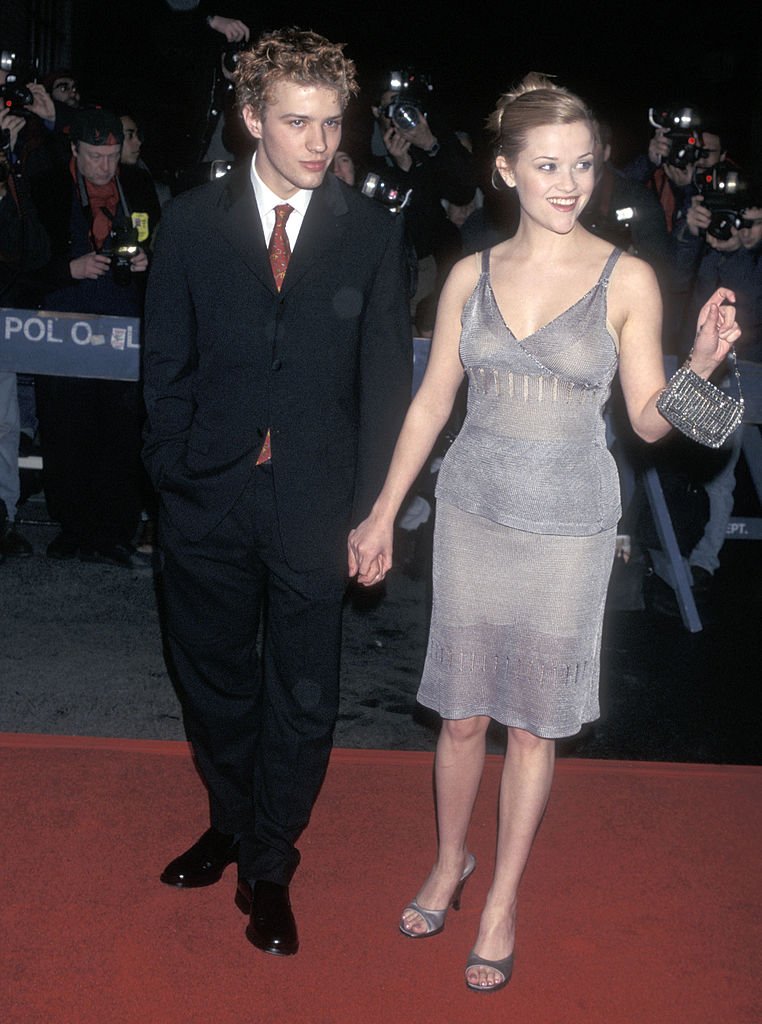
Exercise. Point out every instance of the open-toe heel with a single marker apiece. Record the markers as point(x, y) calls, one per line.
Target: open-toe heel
point(435, 919)
point(502, 967)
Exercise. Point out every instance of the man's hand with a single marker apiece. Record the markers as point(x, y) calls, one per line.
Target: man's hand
point(697, 217)
point(420, 136)
point(139, 262)
point(680, 176)
point(231, 28)
point(398, 148)
point(43, 105)
point(13, 124)
point(732, 244)
point(659, 147)
point(89, 267)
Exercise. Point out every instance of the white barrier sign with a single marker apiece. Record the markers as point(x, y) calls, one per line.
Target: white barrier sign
point(70, 344)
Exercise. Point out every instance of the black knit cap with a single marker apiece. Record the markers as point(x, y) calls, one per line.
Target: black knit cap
point(97, 127)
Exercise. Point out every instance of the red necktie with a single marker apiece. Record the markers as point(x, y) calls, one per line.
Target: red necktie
point(279, 252)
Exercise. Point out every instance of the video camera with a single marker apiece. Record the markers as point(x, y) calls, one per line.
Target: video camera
point(14, 95)
point(683, 127)
point(725, 194)
point(408, 107)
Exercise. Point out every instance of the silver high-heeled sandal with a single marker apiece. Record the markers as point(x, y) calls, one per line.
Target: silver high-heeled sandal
point(502, 967)
point(435, 919)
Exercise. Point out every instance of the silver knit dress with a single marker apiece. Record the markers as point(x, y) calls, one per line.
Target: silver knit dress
point(527, 507)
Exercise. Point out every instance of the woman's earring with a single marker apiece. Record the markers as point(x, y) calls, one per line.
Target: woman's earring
point(497, 181)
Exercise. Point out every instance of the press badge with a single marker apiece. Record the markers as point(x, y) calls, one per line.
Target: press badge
point(140, 221)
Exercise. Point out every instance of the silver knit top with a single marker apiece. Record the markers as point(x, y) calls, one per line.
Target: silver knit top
point(532, 453)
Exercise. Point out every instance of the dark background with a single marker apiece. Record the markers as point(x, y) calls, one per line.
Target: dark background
point(622, 58)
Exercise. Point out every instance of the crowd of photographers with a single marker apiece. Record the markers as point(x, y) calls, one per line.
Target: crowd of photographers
point(79, 209)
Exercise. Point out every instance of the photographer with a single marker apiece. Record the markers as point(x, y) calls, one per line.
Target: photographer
point(684, 143)
point(36, 145)
point(435, 166)
point(720, 246)
point(90, 429)
point(626, 213)
point(24, 248)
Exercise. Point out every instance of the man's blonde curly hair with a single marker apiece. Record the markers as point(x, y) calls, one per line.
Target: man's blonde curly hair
point(292, 55)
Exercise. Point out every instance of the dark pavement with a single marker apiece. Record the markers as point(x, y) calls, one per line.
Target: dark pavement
point(81, 654)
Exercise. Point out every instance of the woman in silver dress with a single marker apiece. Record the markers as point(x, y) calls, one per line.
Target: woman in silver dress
point(527, 497)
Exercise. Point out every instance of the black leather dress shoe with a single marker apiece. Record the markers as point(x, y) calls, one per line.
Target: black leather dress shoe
point(271, 927)
point(203, 863)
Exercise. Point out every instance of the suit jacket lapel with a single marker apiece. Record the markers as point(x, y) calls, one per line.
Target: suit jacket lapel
point(324, 224)
point(241, 225)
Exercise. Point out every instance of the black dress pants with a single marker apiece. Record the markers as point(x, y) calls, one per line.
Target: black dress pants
point(261, 725)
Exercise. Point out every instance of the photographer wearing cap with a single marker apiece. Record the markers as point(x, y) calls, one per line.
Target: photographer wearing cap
point(90, 429)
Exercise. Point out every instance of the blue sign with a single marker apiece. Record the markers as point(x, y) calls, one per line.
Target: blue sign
point(70, 344)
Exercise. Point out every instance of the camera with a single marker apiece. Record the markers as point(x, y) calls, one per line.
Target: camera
point(393, 198)
point(405, 114)
point(407, 107)
point(724, 192)
point(121, 245)
point(231, 54)
point(682, 126)
point(14, 95)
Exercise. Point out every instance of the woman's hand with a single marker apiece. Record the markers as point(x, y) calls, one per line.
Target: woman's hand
point(369, 550)
point(716, 332)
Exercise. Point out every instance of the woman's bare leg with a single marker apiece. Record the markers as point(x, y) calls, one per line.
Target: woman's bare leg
point(458, 770)
point(524, 790)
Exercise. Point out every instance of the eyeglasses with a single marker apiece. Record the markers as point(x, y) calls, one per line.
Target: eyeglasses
point(65, 87)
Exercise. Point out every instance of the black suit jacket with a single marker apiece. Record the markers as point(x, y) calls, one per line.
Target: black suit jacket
point(325, 363)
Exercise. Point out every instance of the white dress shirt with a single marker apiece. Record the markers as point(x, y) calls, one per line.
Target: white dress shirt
point(267, 201)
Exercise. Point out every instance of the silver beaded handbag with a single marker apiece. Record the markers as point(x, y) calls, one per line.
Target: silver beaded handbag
point(699, 409)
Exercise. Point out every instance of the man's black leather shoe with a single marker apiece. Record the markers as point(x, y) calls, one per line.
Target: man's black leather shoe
point(203, 863)
point(272, 927)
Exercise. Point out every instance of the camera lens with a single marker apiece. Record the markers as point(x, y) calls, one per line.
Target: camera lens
point(406, 116)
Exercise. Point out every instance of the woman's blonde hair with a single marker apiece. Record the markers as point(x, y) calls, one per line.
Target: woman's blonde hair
point(535, 102)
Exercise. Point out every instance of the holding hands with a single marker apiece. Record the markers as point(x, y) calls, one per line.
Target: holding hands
point(370, 550)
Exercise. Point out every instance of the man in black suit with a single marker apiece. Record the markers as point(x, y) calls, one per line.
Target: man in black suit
point(275, 384)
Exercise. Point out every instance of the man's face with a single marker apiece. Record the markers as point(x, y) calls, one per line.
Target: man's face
point(131, 145)
point(712, 147)
point(97, 164)
point(386, 98)
point(299, 133)
point(65, 91)
point(751, 232)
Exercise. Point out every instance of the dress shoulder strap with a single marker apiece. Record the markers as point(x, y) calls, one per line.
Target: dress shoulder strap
point(485, 261)
point(609, 266)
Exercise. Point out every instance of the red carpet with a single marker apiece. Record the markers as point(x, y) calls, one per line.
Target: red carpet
point(640, 904)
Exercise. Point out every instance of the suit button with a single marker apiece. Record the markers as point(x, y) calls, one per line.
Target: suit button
point(276, 364)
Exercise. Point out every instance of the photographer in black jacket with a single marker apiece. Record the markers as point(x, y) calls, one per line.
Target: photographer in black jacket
point(431, 162)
